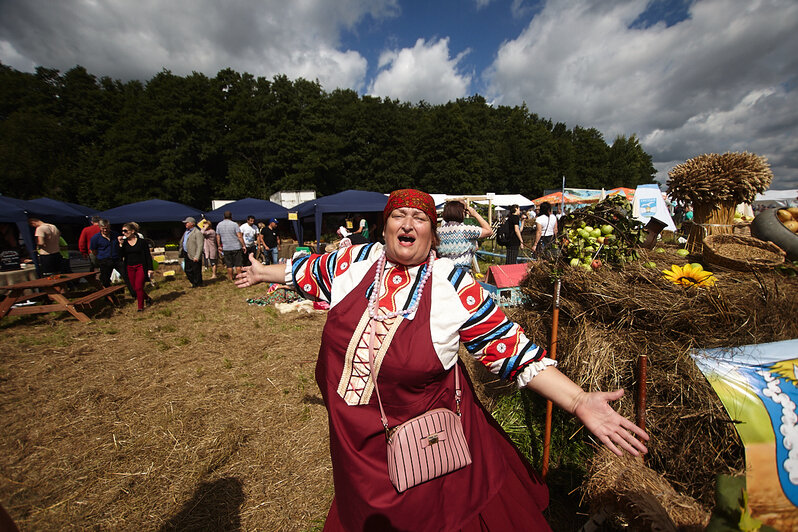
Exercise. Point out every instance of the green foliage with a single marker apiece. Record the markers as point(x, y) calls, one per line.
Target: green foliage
point(103, 143)
point(522, 416)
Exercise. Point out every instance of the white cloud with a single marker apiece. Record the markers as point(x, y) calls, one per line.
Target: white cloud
point(126, 40)
point(10, 56)
point(424, 72)
point(721, 80)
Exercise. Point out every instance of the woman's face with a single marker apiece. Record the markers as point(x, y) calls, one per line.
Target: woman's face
point(408, 236)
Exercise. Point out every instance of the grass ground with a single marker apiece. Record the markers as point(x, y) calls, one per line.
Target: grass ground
point(200, 412)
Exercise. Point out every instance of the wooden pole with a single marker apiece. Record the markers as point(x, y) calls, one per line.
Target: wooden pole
point(642, 370)
point(555, 318)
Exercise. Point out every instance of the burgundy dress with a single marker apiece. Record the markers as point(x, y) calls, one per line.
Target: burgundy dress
point(498, 491)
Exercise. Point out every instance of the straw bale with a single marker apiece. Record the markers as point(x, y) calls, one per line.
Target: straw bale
point(732, 176)
point(643, 497)
point(715, 184)
point(609, 318)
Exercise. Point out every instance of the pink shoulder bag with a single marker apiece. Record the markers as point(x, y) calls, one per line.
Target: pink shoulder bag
point(427, 446)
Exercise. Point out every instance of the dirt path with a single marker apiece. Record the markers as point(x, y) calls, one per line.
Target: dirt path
point(199, 413)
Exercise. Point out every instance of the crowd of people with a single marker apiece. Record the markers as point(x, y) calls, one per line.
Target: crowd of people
point(203, 246)
point(129, 253)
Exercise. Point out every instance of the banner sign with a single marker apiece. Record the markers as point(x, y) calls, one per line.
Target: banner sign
point(584, 193)
point(648, 203)
point(758, 385)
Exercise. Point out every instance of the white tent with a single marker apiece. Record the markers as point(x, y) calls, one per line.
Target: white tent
point(777, 198)
point(497, 200)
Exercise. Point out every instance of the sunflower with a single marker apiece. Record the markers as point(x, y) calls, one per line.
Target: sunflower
point(689, 275)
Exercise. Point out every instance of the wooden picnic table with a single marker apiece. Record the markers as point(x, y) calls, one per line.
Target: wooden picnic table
point(55, 288)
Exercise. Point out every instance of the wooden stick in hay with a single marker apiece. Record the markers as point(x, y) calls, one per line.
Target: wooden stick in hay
point(714, 184)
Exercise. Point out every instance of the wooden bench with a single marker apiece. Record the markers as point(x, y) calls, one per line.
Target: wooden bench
point(107, 293)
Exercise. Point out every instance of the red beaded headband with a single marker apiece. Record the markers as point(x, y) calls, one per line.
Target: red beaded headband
point(408, 197)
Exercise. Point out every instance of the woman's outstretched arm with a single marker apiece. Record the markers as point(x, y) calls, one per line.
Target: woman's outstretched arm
point(593, 410)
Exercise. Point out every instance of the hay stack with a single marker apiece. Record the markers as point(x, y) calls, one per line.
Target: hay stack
point(646, 501)
point(608, 318)
point(715, 185)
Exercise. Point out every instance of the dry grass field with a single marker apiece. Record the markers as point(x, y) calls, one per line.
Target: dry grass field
point(199, 413)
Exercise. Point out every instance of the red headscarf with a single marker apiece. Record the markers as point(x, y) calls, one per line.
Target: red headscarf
point(409, 197)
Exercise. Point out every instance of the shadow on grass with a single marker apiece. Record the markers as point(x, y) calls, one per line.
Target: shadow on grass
point(215, 505)
point(170, 296)
point(313, 399)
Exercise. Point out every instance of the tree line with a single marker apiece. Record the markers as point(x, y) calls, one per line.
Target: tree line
point(102, 142)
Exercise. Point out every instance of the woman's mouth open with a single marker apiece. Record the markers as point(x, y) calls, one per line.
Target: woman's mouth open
point(406, 240)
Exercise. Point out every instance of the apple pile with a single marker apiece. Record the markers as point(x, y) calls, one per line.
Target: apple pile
point(601, 234)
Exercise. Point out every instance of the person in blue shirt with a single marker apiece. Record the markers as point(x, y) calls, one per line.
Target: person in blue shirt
point(104, 246)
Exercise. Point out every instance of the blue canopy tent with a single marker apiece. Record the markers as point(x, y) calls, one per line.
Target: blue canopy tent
point(153, 210)
point(342, 202)
point(16, 211)
point(55, 211)
point(261, 209)
point(88, 211)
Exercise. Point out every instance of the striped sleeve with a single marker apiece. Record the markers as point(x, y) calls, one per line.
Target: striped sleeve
point(500, 344)
point(313, 275)
point(473, 232)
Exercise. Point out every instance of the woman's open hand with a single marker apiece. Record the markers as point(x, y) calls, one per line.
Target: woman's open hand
point(611, 428)
point(252, 274)
point(259, 273)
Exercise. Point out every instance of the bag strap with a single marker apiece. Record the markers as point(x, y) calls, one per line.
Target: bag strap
point(458, 393)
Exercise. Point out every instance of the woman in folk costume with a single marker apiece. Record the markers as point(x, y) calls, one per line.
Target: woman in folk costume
point(419, 310)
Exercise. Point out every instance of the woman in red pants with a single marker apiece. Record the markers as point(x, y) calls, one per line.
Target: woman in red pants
point(138, 261)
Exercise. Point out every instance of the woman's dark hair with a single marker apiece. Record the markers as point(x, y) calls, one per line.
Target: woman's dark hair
point(545, 208)
point(453, 211)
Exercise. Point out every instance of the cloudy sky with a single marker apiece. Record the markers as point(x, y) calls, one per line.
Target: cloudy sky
point(686, 77)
